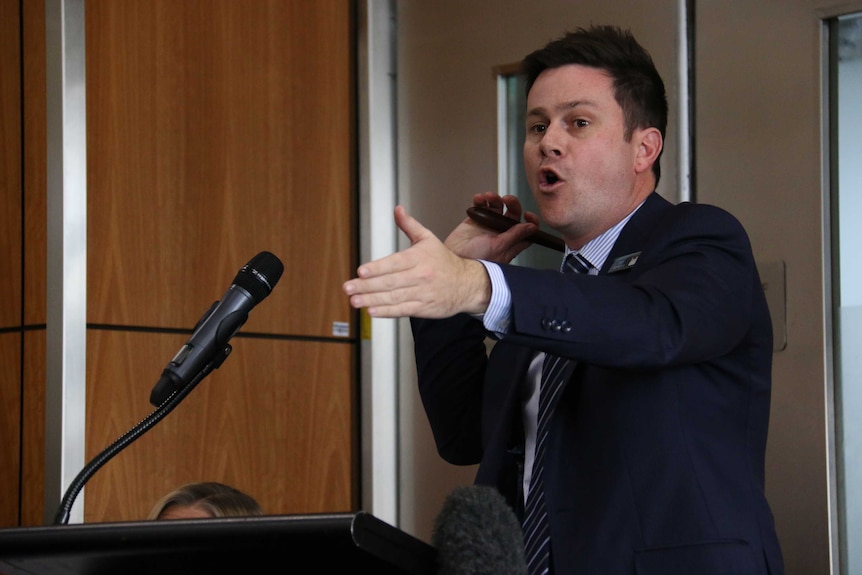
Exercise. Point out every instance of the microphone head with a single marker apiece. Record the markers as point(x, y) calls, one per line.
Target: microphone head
point(476, 533)
point(260, 275)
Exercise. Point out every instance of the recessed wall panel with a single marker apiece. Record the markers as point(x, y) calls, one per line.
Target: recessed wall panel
point(10, 164)
point(10, 427)
point(33, 111)
point(218, 129)
point(33, 429)
point(275, 420)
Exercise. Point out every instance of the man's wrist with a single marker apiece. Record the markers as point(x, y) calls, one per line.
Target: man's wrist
point(478, 287)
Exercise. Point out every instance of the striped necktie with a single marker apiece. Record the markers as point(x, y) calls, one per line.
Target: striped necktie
point(576, 263)
point(555, 372)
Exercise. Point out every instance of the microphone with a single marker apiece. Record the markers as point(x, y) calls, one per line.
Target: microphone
point(477, 533)
point(208, 345)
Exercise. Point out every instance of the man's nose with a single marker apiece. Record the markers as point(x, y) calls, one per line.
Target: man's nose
point(551, 144)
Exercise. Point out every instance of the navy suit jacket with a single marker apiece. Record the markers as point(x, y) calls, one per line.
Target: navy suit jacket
point(655, 461)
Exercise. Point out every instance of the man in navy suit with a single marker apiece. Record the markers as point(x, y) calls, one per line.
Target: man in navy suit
point(654, 458)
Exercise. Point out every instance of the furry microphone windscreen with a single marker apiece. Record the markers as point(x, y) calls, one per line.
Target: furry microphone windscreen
point(477, 533)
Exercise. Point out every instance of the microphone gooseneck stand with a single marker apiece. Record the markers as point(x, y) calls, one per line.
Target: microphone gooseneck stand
point(65, 508)
point(205, 351)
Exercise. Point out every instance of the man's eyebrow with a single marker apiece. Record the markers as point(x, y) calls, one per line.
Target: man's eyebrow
point(542, 111)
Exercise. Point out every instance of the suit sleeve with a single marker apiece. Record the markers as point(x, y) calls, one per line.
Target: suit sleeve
point(690, 297)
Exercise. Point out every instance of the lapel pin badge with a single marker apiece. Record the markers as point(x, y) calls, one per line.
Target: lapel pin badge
point(624, 262)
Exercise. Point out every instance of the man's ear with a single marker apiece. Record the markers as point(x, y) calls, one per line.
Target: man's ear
point(649, 147)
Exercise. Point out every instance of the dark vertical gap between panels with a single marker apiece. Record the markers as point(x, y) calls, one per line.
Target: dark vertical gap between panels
point(356, 431)
point(690, 33)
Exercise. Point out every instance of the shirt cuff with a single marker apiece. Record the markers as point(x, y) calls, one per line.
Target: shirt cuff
point(498, 315)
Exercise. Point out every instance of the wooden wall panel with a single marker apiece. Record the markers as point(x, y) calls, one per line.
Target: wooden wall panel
point(10, 164)
point(10, 261)
point(35, 165)
point(276, 420)
point(31, 115)
point(217, 129)
point(10, 427)
point(33, 430)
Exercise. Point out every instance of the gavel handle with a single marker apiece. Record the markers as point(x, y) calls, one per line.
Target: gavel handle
point(496, 221)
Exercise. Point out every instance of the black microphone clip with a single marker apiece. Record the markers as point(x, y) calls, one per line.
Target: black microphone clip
point(169, 383)
point(208, 346)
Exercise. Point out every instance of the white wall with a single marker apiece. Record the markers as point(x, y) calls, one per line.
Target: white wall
point(760, 132)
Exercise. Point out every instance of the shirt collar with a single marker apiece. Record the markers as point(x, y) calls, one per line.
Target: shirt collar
point(596, 250)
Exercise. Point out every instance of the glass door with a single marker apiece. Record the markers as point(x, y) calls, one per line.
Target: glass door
point(846, 200)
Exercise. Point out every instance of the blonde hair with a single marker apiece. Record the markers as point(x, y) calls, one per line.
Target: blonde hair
point(213, 498)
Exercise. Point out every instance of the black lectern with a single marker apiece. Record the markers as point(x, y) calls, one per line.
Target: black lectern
point(328, 543)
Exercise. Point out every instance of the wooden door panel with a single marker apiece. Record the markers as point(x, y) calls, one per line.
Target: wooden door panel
point(10, 426)
point(10, 261)
point(33, 429)
point(10, 165)
point(34, 162)
point(217, 129)
point(276, 419)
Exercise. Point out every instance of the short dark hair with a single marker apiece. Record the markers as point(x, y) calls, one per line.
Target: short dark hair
point(638, 87)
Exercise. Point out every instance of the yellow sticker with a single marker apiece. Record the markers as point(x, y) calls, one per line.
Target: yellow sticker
point(364, 325)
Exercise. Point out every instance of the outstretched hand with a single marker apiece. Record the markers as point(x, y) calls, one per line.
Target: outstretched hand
point(431, 279)
point(425, 280)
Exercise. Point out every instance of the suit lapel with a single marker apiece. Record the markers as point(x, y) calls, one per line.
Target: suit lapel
point(626, 250)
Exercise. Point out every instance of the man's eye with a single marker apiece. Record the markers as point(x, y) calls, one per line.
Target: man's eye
point(581, 123)
point(537, 128)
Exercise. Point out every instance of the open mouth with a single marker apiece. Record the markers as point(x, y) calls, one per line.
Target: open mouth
point(548, 177)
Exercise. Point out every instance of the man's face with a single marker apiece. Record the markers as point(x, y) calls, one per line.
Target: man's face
point(580, 169)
